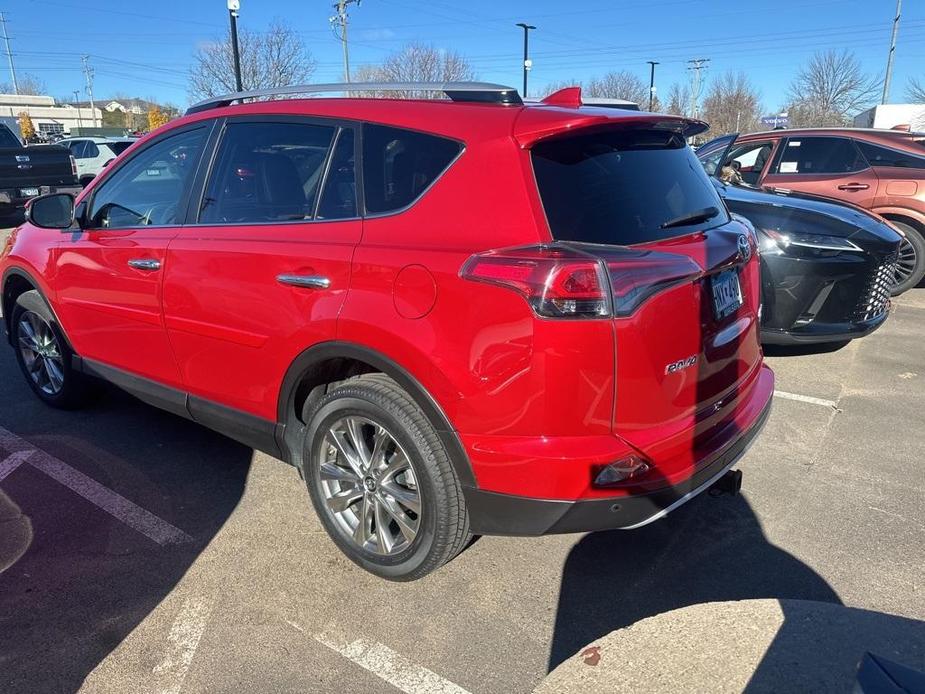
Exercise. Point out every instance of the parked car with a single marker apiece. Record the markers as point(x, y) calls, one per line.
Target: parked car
point(453, 316)
point(93, 154)
point(827, 268)
point(880, 170)
point(26, 172)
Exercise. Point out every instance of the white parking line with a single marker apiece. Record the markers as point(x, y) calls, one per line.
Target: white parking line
point(805, 398)
point(116, 505)
point(12, 462)
point(390, 666)
point(183, 640)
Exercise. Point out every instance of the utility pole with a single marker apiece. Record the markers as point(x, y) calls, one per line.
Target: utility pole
point(652, 63)
point(528, 64)
point(889, 60)
point(696, 65)
point(9, 55)
point(80, 123)
point(339, 27)
point(233, 7)
point(88, 73)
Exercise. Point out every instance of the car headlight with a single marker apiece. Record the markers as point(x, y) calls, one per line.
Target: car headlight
point(778, 242)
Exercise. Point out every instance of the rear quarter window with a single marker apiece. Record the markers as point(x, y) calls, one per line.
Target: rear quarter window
point(885, 156)
point(623, 186)
point(400, 165)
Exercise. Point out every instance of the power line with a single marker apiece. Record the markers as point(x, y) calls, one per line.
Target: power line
point(88, 73)
point(889, 60)
point(696, 66)
point(339, 26)
point(9, 54)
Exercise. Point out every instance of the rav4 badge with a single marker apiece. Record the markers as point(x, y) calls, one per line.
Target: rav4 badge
point(680, 364)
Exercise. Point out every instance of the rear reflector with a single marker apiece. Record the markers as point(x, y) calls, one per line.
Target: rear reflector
point(627, 470)
point(567, 281)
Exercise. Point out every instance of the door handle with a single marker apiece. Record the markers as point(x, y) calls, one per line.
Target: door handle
point(306, 281)
point(147, 264)
point(854, 186)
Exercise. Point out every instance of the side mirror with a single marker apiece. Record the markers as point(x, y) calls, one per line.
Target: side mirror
point(55, 211)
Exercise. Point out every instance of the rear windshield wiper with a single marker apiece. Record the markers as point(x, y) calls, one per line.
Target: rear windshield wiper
point(691, 218)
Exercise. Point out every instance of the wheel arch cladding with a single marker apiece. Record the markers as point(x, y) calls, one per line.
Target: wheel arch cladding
point(329, 362)
point(16, 282)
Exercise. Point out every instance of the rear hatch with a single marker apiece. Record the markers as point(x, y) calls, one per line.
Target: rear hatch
point(684, 279)
point(32, 167)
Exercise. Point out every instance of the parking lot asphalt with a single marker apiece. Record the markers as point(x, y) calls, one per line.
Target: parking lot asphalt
point(141, 552)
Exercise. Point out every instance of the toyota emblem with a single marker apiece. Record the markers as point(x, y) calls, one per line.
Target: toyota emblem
point(745, 247)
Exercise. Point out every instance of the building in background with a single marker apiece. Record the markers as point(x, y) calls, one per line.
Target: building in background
point(891, 116)
point(49, 118)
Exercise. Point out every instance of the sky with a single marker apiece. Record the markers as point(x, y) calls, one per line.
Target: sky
point(146, 49)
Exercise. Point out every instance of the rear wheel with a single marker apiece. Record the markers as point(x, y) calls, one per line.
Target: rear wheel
point(911, 266)
point(381, 481)
point(43, 354)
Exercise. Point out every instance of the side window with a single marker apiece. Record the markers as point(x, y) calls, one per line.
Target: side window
point(748, 161)
point(399, 165)
point(884, 156)
point(339, 197)
point(78, 148)
point(92, 151)
point(148, 188)
point(820, 155)
point(266, 172)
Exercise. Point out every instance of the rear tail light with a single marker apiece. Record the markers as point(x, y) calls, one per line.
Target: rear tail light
point(73, 165)
point(561, 281)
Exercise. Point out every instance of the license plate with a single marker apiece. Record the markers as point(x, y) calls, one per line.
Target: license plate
point(727, 294)
point(29, 192)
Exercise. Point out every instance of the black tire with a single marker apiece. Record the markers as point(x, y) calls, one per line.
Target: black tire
point(74, 388)
point(442, 522)
point(914, 243)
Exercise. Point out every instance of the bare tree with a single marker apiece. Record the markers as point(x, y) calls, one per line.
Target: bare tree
point(274, 58)
point(417, 62)
point(26, 84)
point(619, 85)
point(732, 104)
point(830, 90)
point(915, 91)
point(679, 99)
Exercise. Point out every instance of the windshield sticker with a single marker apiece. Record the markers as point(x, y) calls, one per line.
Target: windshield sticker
point(793, 143)
point(788, 167)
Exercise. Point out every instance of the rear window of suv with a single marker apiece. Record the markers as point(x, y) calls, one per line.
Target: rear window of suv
point(624, 187)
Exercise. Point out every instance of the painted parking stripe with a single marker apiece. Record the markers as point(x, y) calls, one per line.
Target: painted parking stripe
point(390, 666)
point(13, 461)
point(805, 398)
point(116, 505)
point(182, 642)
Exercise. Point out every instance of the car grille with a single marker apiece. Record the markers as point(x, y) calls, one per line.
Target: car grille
point(876, 297)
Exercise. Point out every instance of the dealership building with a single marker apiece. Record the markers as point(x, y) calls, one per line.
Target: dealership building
point(48, 117)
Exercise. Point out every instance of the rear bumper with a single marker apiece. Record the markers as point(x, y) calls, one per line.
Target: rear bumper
point(504, 514)
point(821, 332)
point(14, 198)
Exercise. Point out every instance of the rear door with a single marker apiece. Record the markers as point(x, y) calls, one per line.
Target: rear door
point(262, 269)
point(109, 273)
point(829, 166)
point(685, 284)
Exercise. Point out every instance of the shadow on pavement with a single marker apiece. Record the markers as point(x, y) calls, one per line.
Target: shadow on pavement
point(709, 550)
point(76, 581)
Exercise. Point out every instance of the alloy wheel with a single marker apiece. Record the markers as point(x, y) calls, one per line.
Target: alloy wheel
point(41, 353)
point(905, 266)
point(369, 486)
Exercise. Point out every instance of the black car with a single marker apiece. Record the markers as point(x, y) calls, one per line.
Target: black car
point(826, 267)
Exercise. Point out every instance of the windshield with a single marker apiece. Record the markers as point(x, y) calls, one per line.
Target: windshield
point(624, 187)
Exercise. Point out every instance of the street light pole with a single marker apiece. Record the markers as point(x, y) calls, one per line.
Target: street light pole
point(233, 7)
point(652, 63)
point(527, 62)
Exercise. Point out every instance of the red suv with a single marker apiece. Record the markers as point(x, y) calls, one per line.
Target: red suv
point(454, 317)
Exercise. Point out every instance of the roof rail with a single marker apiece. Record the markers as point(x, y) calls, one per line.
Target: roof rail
point(478, 92)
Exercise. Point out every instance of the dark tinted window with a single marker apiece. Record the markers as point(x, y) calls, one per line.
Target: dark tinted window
point(266, 172)
point(119, 147)
point(8, 139)
point(621, 187)
point(92, 151)
point(77, 148)
point(399, 165)
point(339, 197)
point(883, 156)
point(148, 188)
point(820, 155)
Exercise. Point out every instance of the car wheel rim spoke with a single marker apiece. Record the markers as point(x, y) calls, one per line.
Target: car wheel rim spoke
point(907, 261)
point(41, 354)
point(368, 486)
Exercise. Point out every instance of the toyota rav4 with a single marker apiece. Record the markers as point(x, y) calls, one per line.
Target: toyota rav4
point(454, 316)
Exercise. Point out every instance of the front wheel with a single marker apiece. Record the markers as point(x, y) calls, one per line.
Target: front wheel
point(910, 268)
point(381, 481)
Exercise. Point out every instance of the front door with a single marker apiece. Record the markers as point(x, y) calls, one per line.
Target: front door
point(829, 166)
point(262, 270)
point(109, 273)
